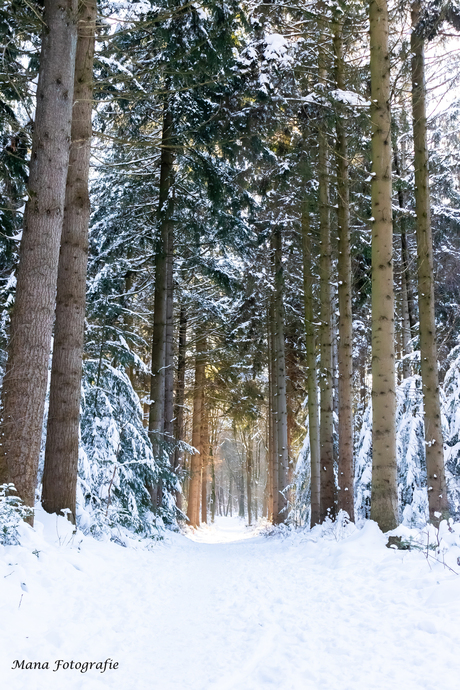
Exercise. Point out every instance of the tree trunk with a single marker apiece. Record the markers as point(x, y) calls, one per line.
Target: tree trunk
point(384, 500)
point(411, 306)
point(281, 438)
point(193, 509)
point(437, 490)
point(157, 382)
point(230, 497)
point(241, 494)
point(406, 330)
point(274, 458)
point(213, 485)
point(345, 494)
point(204, 456)
point(169, 342)
point(312, 389)
point(26, 375)
point(61, 454)
point(327, 480)
point(269, 439)
point(180, 397)
point(249, 463)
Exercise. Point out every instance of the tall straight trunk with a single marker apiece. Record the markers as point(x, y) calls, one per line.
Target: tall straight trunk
point(269, 444)
point(437, 489)
point(230, 497)
point(405, 282)
point(405, 327)
point(327, 480)
point(180, 397)
point(249, 468)
point(345, 493)
point(127, 317)
point(384, 499)
point(26, 375)
point(405, 259)
point(268, 498)
point(169, 342)
point(256, 480)
point(61, 453)
point(312, 386)
point(157, 381)
point(411, 305)
point(193, 508)
point(213, 484)
point(241, 494)
point(204, 456)
point(281, 439)
point(274, 458)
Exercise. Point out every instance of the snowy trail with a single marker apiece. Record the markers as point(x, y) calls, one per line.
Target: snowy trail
point(228, 610)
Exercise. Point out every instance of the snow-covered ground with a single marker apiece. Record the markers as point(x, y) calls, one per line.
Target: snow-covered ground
point(228, 608)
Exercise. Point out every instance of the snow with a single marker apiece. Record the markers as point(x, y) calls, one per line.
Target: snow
point(349, 98)
point(229, 607)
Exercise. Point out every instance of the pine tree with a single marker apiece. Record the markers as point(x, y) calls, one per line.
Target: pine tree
point(25, 381)
point(384, 505)
point(437, 489)
point(345, 359)
point(61, 454)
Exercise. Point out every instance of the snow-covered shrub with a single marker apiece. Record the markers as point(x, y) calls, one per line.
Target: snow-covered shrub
point(410, 448)
point(301, 488)
point(300, 511)
point(117, 466)
point(363, 466)
point(410, 452)
point(337, 529)
point(12, 513)
point(451, 411)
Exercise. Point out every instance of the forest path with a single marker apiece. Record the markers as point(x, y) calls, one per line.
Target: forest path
point(228, 609)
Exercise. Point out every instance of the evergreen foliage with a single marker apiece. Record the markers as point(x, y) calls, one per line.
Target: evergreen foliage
point(117, 465)
point(247, 100)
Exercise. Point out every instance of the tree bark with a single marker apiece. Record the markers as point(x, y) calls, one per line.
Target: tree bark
point(312, 385)
point(180, 397)
point(274, 458)
point(26, 375)
point(384, 499)
point(241, 494)
point(327, 479)
point(269, 439)
point(204, 456)
point(281, 439)
point(249, 464)
point(193, 508)
point(61, 454)
point(406, 330)
point(169, 341)
point(345, 493)
point(437, 489)
point(157, 381)
point(213, 486)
